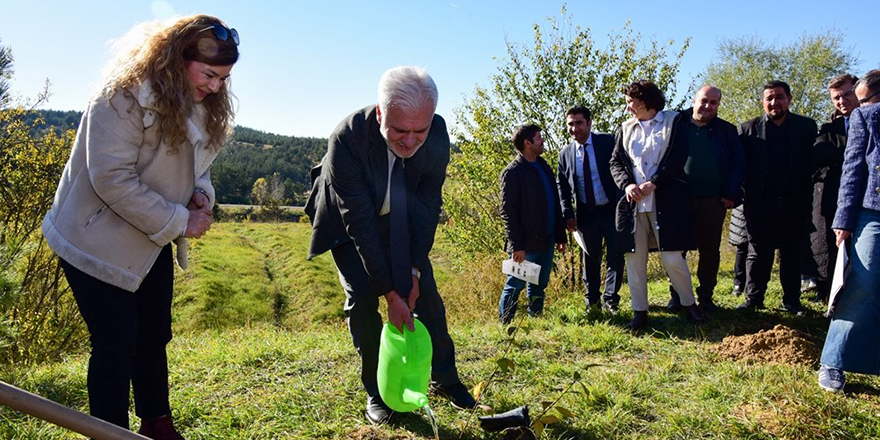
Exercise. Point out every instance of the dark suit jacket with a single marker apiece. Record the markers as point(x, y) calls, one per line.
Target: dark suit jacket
point(828, 158)
point(349, 186)
point(860, 183)
point(566, 176)
point(753, 134)
point(728, 151)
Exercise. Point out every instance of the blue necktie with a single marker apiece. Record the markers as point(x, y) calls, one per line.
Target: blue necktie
point(401, 269)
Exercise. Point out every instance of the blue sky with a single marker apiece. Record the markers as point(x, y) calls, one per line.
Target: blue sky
point(307, 64)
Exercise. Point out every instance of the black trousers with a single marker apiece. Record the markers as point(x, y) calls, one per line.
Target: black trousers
point(709, 215)
point(774, 224)
point(596, 227)
point(739, 265)
point(128, 334)
point(365, 323)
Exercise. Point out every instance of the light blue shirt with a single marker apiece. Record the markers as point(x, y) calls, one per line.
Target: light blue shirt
point(598, 190)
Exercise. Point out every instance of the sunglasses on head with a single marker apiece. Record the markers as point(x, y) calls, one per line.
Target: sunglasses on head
point(222, 33)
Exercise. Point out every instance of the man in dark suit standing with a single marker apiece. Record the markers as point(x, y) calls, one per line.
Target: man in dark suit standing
point(375, 204)
point(715, 169)
point(778, 191)
point(828, 157)
point(584, 175)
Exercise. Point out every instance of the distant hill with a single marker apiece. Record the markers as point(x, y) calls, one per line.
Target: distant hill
point(248, 155)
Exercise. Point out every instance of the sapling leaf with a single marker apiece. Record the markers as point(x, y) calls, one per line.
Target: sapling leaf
point(478, 389)
point(505, 364)
point(538, 428)
point(565, 413)
point(546, 404)
point(510, 330)
point(548, 419)
point(577, 376)
point(586, 390)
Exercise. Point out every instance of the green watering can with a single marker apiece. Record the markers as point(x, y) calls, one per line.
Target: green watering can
point(404, 366)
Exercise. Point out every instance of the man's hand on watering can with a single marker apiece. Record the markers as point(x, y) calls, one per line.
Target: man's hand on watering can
point(413, 293)
point(399, 312)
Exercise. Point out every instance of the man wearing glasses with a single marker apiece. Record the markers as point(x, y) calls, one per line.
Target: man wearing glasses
point(828, 157)
point(868, 88)
point(375, 205)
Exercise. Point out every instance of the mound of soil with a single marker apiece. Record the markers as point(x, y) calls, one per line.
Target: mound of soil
point(373, 433)
point(779, 345)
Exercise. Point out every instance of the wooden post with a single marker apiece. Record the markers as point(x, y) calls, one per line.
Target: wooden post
point(34, 405)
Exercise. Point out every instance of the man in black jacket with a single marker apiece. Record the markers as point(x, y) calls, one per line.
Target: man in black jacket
point(828, 158)
point(715, 169)
point(532, 219)
point(778, 191)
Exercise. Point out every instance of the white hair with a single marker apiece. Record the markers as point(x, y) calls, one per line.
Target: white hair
point(408, 88)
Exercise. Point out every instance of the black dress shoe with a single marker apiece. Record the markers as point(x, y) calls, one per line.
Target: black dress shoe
point(377, 411)
point(610, 308)
point(708, 306)
point(748, 305)
point(640, 319)
point(794, 308)
point(737, 290)
point(674, 304)
point(457, 394)
point(695, 315)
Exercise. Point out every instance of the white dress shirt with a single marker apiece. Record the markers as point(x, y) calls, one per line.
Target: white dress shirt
point(645, 149)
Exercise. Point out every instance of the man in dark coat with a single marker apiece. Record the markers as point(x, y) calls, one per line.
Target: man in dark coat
point(828, 157)
point(532, 219)
point(375, 204)
point(778, 191)
point(715, 169)
point(583, 174)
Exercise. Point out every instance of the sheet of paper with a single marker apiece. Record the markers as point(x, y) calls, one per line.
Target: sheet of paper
point(841, 269)
point(526, 271)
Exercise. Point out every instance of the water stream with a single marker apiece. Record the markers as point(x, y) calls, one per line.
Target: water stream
point(433, 421)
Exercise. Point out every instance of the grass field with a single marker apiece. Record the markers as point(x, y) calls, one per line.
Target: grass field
point(261, 351)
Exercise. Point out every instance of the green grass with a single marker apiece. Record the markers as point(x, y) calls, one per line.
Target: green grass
point(261, 351)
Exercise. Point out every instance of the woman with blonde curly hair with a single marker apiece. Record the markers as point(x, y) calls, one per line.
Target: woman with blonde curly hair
point(138, 179)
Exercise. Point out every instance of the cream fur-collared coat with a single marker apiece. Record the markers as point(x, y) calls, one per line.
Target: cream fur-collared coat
point(123, 193)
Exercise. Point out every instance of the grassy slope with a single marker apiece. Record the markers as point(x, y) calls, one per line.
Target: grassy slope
point(261, 351)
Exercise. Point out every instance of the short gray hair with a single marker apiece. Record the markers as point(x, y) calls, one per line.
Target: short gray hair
point(871, 80)
point(408, 88)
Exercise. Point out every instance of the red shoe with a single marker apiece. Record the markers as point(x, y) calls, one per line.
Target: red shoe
point(160, 428)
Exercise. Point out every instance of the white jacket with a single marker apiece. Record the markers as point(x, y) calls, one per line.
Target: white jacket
point(123, 195)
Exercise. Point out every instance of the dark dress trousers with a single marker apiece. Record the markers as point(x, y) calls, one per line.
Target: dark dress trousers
point(595, 223)
point(348, 191)
point(776, 219)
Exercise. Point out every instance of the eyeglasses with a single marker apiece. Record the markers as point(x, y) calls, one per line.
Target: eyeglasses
point(868, 99)
point(222, 33)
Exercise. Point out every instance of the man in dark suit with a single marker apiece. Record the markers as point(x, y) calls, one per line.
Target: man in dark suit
point(375, 204)
point(778, 191)
point(715, 169)
point(584, 175)
point(828, 158)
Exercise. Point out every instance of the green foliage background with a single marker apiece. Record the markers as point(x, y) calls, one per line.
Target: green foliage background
point(538, 82)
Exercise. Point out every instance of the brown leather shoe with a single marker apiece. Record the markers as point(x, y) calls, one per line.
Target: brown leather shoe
point(160, 428)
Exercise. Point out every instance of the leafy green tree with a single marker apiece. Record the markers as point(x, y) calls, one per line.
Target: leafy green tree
point(743, 65)
point(39, 317)
point(269, 194)
point(538, 82)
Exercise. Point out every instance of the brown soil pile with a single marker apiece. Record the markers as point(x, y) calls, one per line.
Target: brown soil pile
point(373, 433)
point(779, 345)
